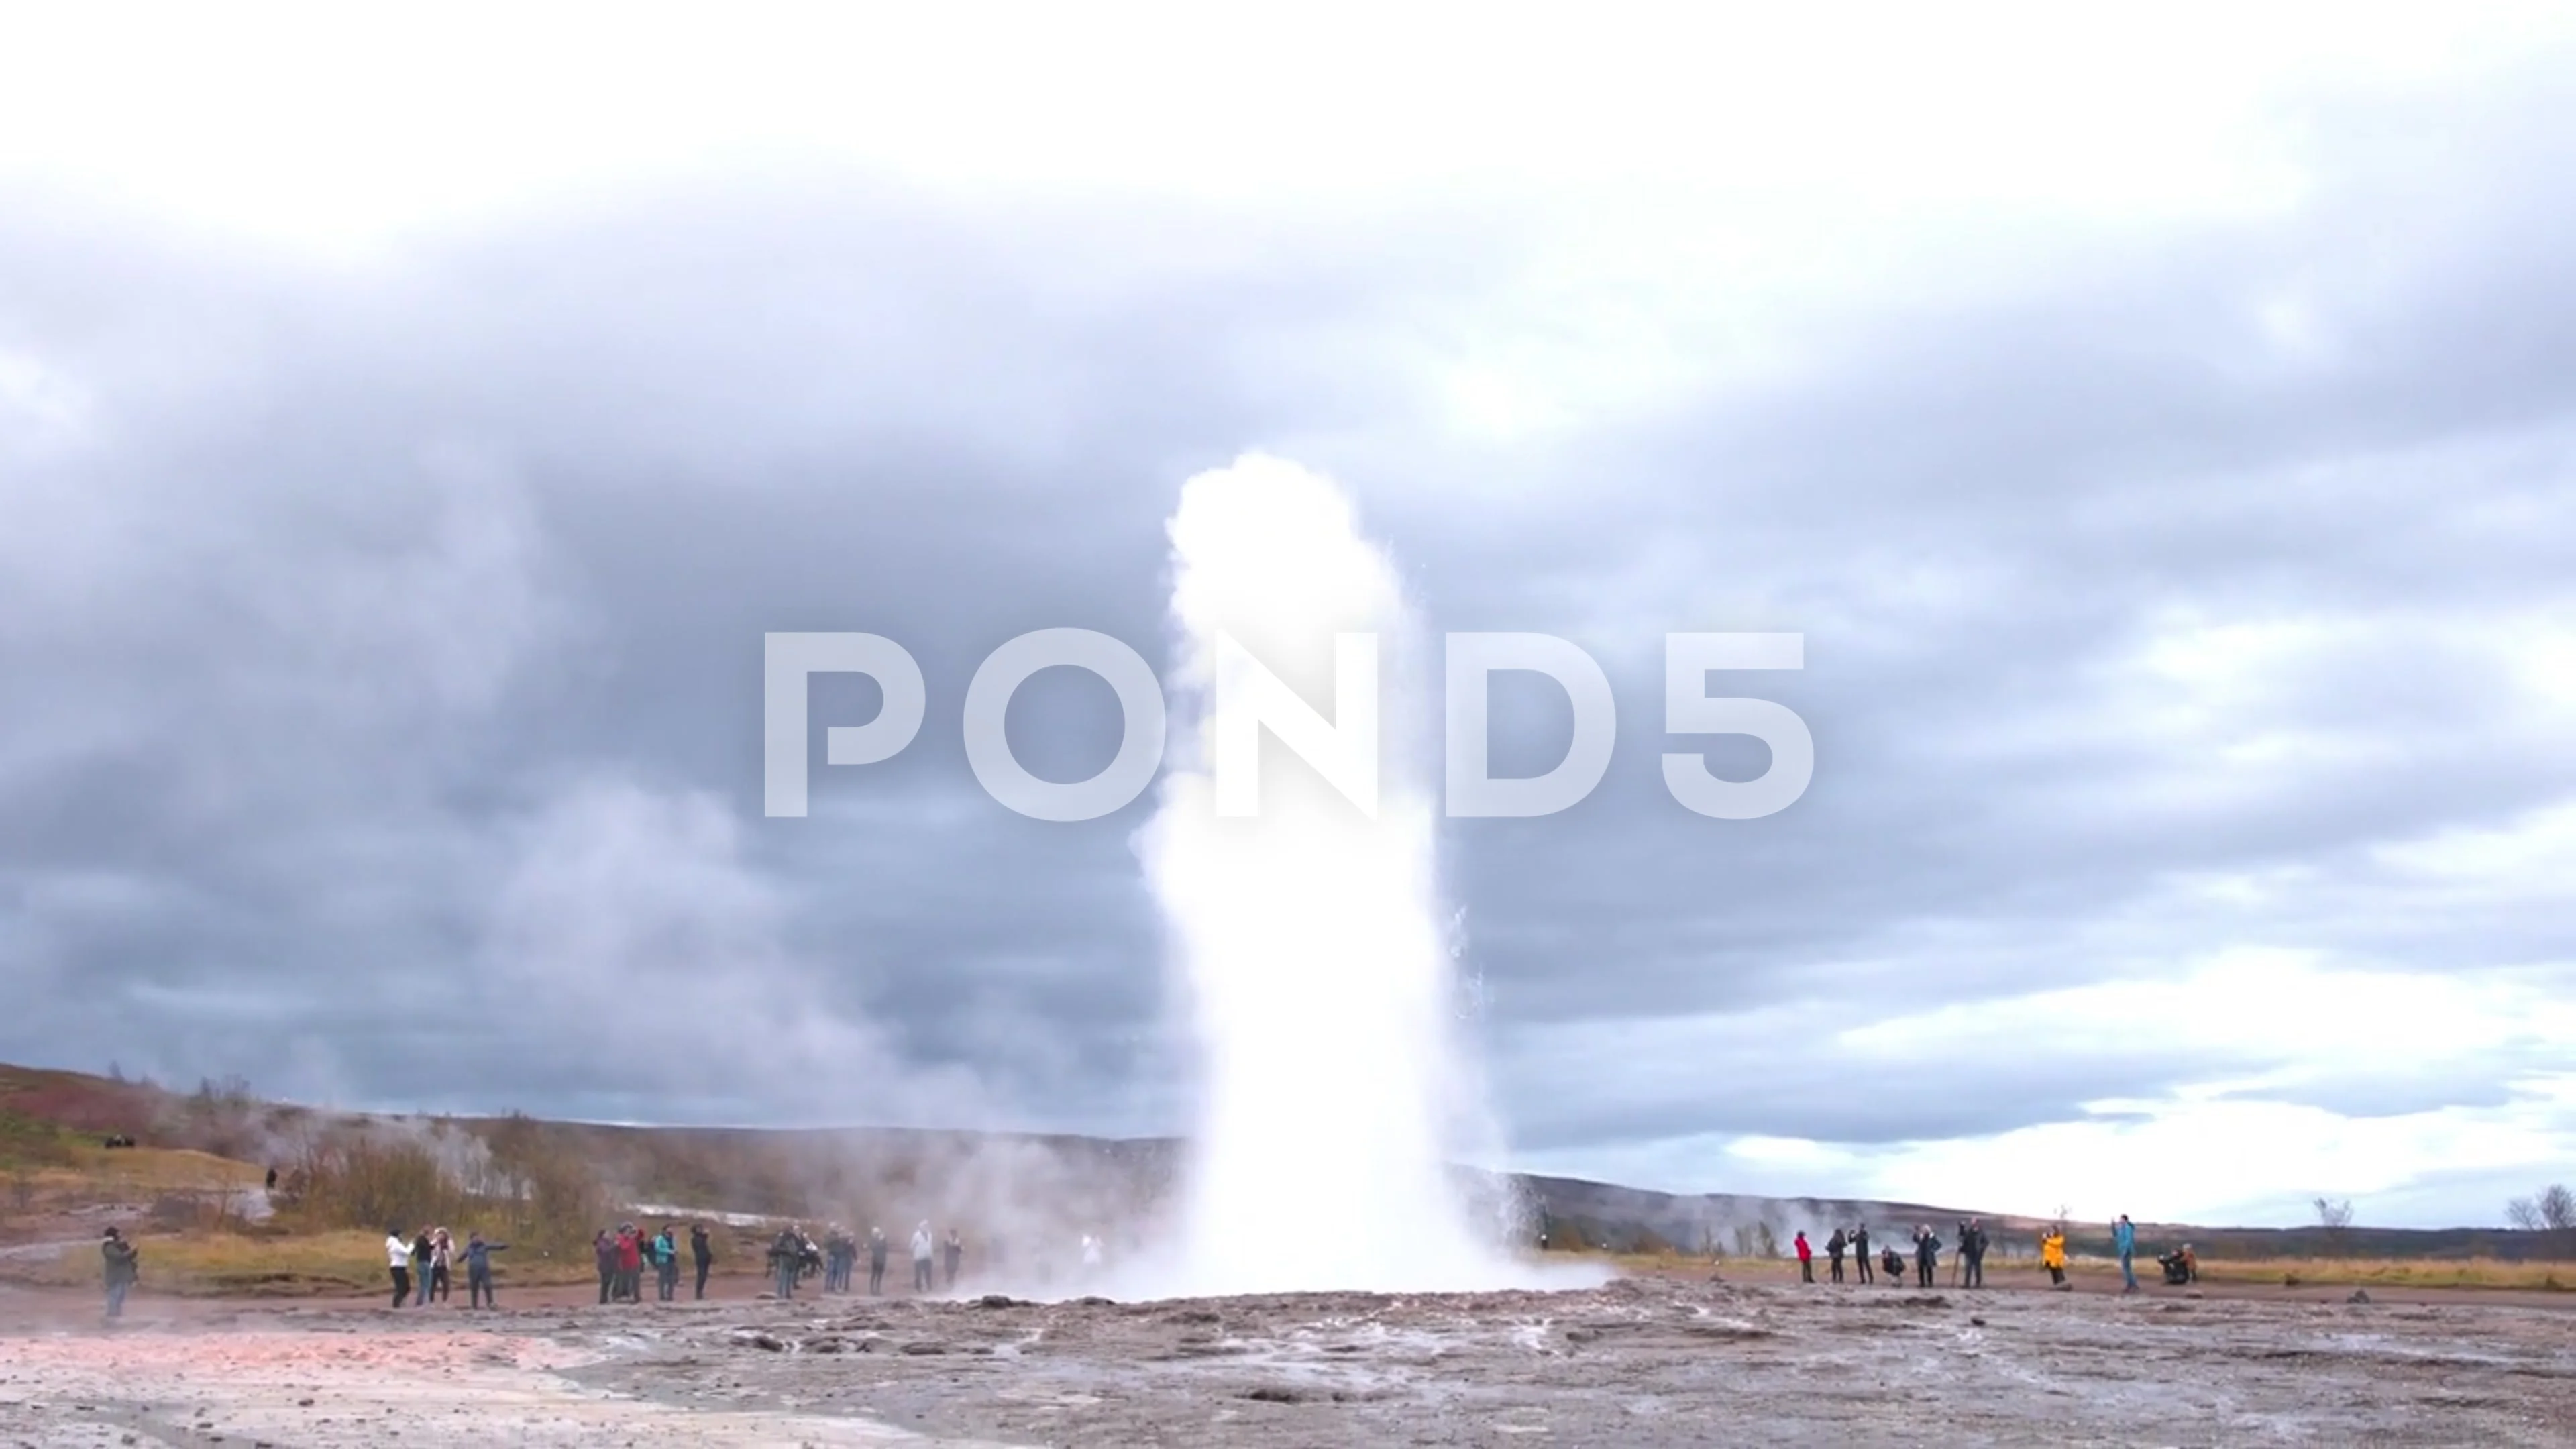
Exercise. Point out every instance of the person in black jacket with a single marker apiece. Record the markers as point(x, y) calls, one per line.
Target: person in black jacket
point(703, 1252)
point(1927, 1258)
point(422, 1250)
point(1860, 1251)
point(603, 1251)
point(1834, 1254)
point(1972, 1255)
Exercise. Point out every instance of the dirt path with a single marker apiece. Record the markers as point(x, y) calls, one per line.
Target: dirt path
point(1648, 1362)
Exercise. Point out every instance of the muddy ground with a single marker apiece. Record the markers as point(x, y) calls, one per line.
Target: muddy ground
point(1647, 1361)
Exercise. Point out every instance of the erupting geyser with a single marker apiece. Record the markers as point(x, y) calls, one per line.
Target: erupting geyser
point(1310, 942)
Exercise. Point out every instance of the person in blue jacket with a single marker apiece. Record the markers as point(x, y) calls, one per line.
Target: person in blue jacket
point(2124, 1241)
point(666, 1263)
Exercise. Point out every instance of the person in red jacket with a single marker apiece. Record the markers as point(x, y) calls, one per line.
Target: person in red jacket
point(630, 1263)
point(1806, 1259)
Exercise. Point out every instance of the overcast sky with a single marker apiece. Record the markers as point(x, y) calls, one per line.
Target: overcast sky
point(2164, 437)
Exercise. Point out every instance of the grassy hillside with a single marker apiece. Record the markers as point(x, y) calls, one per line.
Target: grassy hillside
point(550, 1184)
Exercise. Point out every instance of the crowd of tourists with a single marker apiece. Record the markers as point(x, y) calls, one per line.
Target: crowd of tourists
point(1968, 1263)
point(622, 1255)
point(794, 1256)
point(423, 1267)
point(1926, 1252)
point(423, 1264)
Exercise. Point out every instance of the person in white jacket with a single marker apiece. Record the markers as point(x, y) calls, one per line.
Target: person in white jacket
point(921, 1246)
point(398, 1257)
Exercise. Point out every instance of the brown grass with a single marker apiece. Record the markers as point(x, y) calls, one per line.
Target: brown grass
point(255, 1265)
point(2394, 1272)
point(161, 1187)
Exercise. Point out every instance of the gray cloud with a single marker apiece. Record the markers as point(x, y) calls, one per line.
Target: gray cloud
point(384, 644)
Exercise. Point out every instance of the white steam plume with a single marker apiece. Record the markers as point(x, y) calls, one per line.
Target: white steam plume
point(1311, 945)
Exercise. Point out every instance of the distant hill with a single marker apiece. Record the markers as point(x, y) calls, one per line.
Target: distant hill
point(1035, 1192)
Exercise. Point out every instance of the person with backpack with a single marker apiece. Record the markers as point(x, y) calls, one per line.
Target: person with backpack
point(121, 1266)
point(787, 1261)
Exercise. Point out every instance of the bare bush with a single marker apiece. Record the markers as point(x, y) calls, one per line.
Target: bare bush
point(513, 1184)
point(356, 1181)
point(2551, 1215)
point(551, 1199)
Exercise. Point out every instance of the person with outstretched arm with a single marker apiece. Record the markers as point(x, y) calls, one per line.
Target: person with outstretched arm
point(478, 1271)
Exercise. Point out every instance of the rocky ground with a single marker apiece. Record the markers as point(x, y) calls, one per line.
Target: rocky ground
point(1646, 1361)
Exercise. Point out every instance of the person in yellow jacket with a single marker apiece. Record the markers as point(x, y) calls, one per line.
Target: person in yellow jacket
point(2052, 1255)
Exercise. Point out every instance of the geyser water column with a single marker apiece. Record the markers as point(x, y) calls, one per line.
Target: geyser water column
point(1309, 939)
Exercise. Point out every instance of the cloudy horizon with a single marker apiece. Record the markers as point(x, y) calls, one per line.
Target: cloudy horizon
point(2164, 440)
